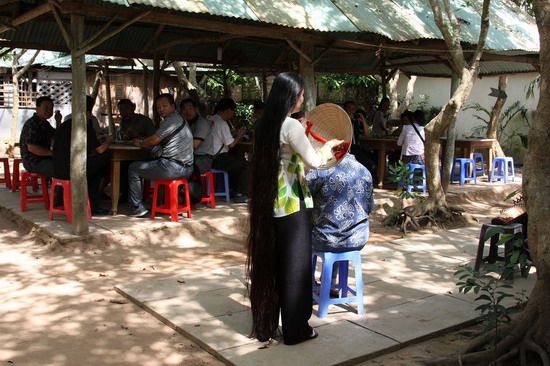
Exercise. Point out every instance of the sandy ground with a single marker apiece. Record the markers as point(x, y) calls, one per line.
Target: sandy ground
point(59, 308)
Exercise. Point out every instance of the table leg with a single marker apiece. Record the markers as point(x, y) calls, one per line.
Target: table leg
point(115, 185)
point(489, 163)
point(381, 167)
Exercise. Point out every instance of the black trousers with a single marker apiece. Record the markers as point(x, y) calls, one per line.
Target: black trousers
point(97, 167)
point(293, 252)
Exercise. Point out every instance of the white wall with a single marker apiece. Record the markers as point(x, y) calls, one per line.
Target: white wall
point(438, 90)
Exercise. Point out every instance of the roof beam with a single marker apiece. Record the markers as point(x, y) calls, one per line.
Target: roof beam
point(153, 39)
point(299, 51)
point(24, 18)
point(197, 41)
point(184, 21)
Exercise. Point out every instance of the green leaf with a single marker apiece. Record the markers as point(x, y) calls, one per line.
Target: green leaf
point(483, 297)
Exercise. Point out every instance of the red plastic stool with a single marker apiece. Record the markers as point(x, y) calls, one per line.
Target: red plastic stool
point(66, 208)
point(16, 176)
point(7, 176)
point(208, 189)
point(171, 205)
point(147, 190)
point(32, 179)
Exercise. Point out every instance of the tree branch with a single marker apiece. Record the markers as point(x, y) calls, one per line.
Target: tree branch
point(26, 67)
point(483, 31)
point(68, 39)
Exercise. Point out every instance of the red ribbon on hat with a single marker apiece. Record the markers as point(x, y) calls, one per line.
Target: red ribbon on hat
point(339, 151)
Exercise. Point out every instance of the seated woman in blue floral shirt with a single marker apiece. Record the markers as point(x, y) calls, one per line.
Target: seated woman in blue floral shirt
point(342, 203)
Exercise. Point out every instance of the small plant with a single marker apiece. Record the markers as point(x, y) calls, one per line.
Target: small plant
point(400, 173)
point(490, 290)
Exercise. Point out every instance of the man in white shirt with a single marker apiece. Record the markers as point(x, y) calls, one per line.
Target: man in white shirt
point(221, 141)
point(411, 139)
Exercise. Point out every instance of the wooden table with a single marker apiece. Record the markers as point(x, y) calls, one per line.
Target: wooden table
point(468, 146)
point(382, 146)
point(122, 152)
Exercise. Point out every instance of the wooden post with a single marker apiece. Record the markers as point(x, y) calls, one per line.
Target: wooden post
point(146, 91)
point(110, 121)
point(79, 188)
point(156, 87)
point(308, 74)
point(264, 86)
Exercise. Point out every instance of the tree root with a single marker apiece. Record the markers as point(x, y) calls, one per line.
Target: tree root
point(519, 335)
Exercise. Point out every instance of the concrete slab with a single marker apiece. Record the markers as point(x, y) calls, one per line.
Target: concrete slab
point(182, 286)
point(420, 318)
point(339, 342)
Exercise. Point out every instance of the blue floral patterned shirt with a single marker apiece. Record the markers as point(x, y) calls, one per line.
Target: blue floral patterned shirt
point(342, 203)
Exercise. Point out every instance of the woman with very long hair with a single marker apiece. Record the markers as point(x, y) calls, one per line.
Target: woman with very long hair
point(279, 241)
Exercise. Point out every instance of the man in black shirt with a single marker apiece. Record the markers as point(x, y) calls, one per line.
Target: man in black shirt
point(97, 160)
point(36, 139)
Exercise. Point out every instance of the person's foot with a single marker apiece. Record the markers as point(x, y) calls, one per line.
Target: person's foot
point(311, 336)
point(100, 212)
point(139, 212)
point(240, 198)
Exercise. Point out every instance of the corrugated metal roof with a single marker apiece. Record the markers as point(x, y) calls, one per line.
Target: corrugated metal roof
point(398, 20)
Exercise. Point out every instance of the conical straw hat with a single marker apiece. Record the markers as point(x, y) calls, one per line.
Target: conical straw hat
point(330, 121)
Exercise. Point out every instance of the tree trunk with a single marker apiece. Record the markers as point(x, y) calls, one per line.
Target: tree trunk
point(394, 105)
point(449, 153)
point(449, 26)
point(15, 108)
point(97, 84)
point(536, 186)
point(308, 74)
point(110, 121)
point(494, 119)
point(79, 188)
point(16, 74)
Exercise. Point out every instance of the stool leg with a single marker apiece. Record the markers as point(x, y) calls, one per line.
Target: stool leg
point(155, 198)
point(359, 285)
point(480, 245)
point(44, 183)
point(211, 190)
point(326, 280)
point(68, 204)
point(52, 200)
point(343, 278)
point(226, 184)
point(187, 202)
point(512, 170)
point(173, 201)
point(23, 194)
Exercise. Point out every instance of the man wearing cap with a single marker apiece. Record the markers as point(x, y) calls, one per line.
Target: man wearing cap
point(343, 200)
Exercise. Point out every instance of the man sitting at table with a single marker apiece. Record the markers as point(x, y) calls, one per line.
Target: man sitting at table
point(97, 159)
point(172, 147)
point(200, 127)
point(133, 125)
point(36, 137)
point(220, 141)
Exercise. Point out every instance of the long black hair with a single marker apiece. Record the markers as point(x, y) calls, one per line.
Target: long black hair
point(261, 243)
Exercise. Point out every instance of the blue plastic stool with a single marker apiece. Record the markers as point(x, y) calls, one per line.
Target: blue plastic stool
point(321, 294)
point(225, 192)
point(412, 168)
point(478, 158)
point(463, 176)
point(500, 169)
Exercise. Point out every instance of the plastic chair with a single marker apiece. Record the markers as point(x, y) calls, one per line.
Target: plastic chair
point(478, 158)
point(501, 167)
point(28, 178)
point(414, 178)
point(171, 204)
point(225, 192)
point(66, 207)
point(493, 248)
point(467, 171)
point(208, 189)
point(321, 294)
point(7, 176)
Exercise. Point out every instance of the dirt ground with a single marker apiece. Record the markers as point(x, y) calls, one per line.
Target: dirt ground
point(59, 308)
